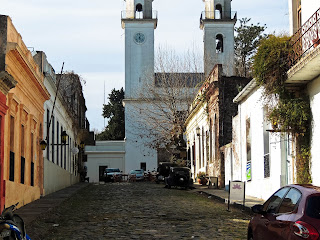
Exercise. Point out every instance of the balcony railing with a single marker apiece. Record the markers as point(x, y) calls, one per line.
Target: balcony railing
point(139, 15)
point(306, 38)
point(208, 15)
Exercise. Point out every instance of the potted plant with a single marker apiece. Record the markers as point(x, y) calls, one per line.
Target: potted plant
point(201, 176)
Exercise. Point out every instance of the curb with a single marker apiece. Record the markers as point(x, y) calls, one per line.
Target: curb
point(234, 204)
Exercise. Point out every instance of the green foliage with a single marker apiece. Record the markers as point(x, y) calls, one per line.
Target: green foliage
point(114, 110)
point(246, 42)
point(303, 165)
point(291, 114)
point(270, 64)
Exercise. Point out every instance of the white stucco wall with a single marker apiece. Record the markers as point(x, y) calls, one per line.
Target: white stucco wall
point(139, 137)
point(308, 8)
point(57, 175)
point(104, 153)
point(57, 178)
point(139, 58)
point(314, 93)
point(228, 164)
point(258, 186)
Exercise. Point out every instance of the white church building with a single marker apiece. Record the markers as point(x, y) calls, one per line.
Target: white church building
point(139, 22)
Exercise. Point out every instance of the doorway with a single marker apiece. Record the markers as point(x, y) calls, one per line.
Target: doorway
point(101, 173)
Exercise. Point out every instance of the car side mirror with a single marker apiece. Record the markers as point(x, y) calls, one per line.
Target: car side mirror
point(258, 209)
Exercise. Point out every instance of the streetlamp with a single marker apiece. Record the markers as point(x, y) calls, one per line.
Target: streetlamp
point(198, 131)
point(43, 145)
point(64, 136)
point(82, 145)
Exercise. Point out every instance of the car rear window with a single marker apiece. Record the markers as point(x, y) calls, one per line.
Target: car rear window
point(313, 207)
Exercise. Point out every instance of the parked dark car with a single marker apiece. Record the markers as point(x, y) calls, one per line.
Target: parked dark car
point(163, 171)
point(291, 213)
point(179, 177)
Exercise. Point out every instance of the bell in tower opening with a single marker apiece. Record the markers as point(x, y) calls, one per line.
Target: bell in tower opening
point(139, 9)
point(217, 9)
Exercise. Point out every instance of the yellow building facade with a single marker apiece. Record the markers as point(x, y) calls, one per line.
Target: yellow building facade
point(23, 126)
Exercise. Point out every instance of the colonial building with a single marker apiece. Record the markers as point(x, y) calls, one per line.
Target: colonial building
point(6, 83)
point(304, 73)
point(64, 113)
point(261, 158)
point(209, 125)
point(23, 159)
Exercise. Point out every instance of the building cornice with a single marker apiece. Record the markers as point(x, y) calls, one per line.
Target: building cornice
point(6, 82)
point(33, 68)
point(140, 21)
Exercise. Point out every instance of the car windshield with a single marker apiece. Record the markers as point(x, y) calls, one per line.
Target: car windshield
point(112, 170)
point(136, 171)
point(313, 207)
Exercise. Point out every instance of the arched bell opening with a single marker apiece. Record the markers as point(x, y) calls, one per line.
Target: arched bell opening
point(219, 43)
point(218, 11)
point(139, 11)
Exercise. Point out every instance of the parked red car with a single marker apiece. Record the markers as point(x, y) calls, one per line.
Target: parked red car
point(291, 213)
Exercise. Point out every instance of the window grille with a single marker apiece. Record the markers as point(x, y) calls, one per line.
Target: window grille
point(267, 165)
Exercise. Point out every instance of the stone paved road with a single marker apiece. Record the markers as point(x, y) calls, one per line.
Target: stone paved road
point(139, 211)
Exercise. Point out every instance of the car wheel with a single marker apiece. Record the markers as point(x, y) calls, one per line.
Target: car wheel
point(169, 186)
point(250, 236)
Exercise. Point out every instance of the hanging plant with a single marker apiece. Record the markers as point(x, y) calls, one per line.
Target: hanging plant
point(291, 113)
point(270, 63)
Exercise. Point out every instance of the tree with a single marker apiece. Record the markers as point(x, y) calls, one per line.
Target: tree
point(164, 102)
point(246, 40)
point(114, 111)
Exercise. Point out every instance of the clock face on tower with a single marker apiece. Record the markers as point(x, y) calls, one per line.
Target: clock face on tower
point(139, 38)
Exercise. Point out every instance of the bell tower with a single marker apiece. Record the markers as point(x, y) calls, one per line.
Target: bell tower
point(217, 23)
point(139, 21)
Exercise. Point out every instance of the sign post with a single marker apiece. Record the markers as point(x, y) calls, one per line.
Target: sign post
point(236, 192)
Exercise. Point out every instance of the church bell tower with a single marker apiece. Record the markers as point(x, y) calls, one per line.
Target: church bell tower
point(217, 23)
point(139, 21)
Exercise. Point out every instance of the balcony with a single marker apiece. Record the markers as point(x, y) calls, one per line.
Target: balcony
point(127, 16)
point(217, 16)
point(305, 57)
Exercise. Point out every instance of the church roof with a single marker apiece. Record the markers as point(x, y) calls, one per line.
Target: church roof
point(189, 80)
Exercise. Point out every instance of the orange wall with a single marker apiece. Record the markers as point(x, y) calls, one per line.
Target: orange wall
point(25, 103)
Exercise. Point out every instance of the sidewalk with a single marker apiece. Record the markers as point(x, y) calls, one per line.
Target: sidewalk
point(222, 195)
point(32, 210)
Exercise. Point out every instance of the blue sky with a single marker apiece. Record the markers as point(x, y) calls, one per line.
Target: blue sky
point(88, 37)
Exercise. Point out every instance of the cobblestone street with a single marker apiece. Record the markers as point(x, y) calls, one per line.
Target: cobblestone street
point(139, 211)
